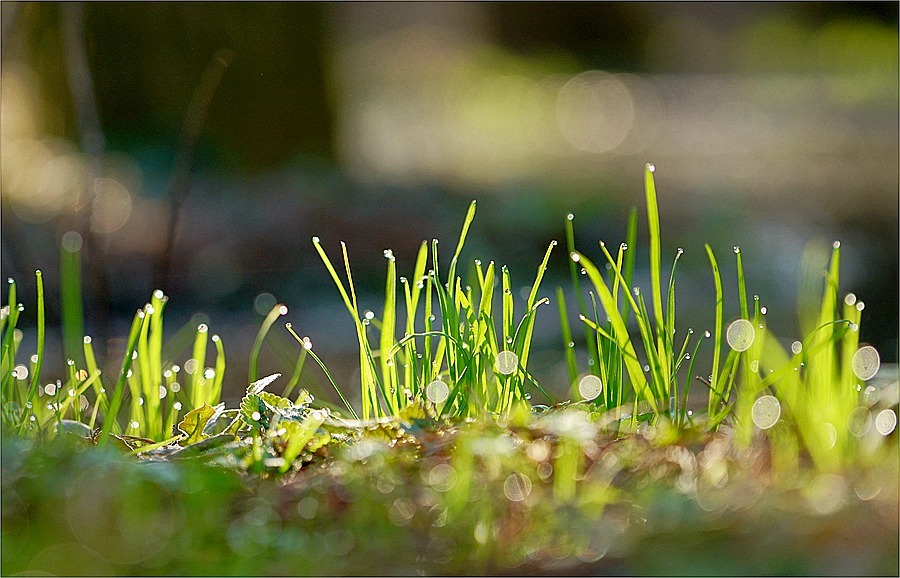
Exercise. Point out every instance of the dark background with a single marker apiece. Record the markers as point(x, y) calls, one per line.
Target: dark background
point(771, 125)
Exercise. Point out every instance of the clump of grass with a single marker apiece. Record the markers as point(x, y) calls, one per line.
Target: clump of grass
point(444, 349)
point(457, 351)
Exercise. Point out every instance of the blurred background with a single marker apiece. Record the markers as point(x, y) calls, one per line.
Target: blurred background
point(197, 147)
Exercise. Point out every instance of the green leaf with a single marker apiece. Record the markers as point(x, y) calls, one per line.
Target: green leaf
point(194, 421)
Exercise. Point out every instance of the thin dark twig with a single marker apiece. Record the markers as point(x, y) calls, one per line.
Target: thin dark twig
point(190, 135)
point(93, 144)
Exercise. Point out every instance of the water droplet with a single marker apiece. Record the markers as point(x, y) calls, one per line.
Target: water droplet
point(432, 318)
point(177, 405)
point(369, 314)
point(570, 217)
point(624, 246)
point(796, 347)
point(315, 240)
point(437, 391)
point(850, 299)
point(404, 280)
point(32, 418)
point(307, 343)
point(830, 434)
point(134, 354)
point(163, 392)
point(509, 340)
point(763, 310)
point(517, 487)
point(255, 416)
point(129, 374)
point(554, 243)
point(886, 421)
point(636, 290)
point(190, 366)
point(140, 401)
point(754, 365)
point(209, 373)
point(860, 422)
point(680, 251)
point(646, 368)
point(860, 305)
point(766, 412)
point(282, 310)
point(687, 355)
point(854, 327)
point(737, 249)
point(135, 425)
point(571, 344)
point(866, 362)
point(740, 335)
point(651, 167)
point(506, 363)
point(20, 372)
point(706, 334)
point(575, 256)
point(216, 338)
point(590, 387)
point(176, 387)
point(836, 244)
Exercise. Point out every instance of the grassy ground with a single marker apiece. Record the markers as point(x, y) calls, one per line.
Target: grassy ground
point(457, 461)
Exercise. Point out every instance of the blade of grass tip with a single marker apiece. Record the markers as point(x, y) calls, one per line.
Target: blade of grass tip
point(742, 283)
point(590, 338)
point(653, 226)
point(70, 299)
point(451, 275)
point(389, 336)
point(670, 360)
point(146, 390)
point(199, 391)
point(276, 312)
point(115, 404)
point(717, 340)
point(532, 298)
point(8, 356)
point(41, 334)
point(308, 347)
point(822, 368)
point(850, 340)
point(568, 344)
point(216, 389)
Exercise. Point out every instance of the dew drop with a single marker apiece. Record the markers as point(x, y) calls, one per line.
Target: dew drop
point(651, 167)
point(860, 305)
point(590, 387)
point(315, 240)
point(766, 412)
point(624, 246)
point(87, 339)
point(737, 249)
point(754, 365)
point(163, 392)
point(177, 405)
point(307, 343)
point(135, 425)
point(836, 244)
point(860, 422)
point(255, 416)
point(763, 310)
point(866, 362)
point(575, 256)
point(796, 347)
point(517, 487)
point(282, 310)
point(706, 334)
point(437, 391)
point(850, 299)
point(371, 315)
point(886, 421)
point(740, 335)
point(680, 251)
point(570, 217)
point(506, 362)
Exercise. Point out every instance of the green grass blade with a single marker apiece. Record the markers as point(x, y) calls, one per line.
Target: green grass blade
point(568, 344)
point(451, 275)
point(109, 420)
point(717, 338)
point(653, 225)
point(41, 335)
point(267, 323)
